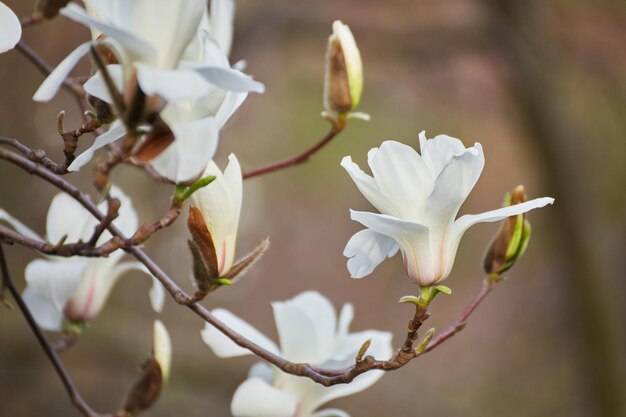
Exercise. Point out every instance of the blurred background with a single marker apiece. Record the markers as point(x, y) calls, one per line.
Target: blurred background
point(541, 84)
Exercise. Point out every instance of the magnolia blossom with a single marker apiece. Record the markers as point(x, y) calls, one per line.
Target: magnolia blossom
point(10, 28)
point(220, 205)
point(149, 38)
point(77, 288)
point(419, 197)
point(309, 332)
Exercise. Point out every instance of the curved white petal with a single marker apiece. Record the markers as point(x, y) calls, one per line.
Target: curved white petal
point(126, 220)
point(117, 131)
point(366, 250)
point(66, 217)
point(230, 79)
point(10, 28)
point(212, 52)
point(369, 188)
point(465, 222)
point(231, 102)
point(162, 348)
point(157, 295)
point(47, 316)
point(413, 239)
point(18, 225)
point(55, 281)
point(306, 327)
point(438, 151)
point(349, 344)
point(345, 318)
point(53, 82)
point(256, 398)
point(133, 45)
point(224, 347)
point(261, 370)
point(402, 175)
point(95, 86)
point(171, 84)
point(221, 21)
point(189, 154)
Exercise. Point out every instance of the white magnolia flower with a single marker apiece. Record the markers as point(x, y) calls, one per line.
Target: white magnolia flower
point(149, 38)
point(220, 205)
point(309, 332)
point(77, 288)
point(10, 28)
point(419, 197)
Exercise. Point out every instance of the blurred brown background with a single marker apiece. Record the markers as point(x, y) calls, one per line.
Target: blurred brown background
point(541, 84)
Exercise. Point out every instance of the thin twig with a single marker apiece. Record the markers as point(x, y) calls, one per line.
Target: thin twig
point(297, 159)
point(71, 389)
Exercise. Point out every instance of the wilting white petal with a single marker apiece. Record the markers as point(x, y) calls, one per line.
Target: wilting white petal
point(95, 86)
point(172, 85)
point(18, 225)
point(366, 250)
point(117, 131)
point(162, 348)
point(221, 18)
point(402, 175)
point(47, 316)
point(369, 188)
point(226, 348)
point(10, 28)
point(53, 82)
point(230, 79)
point(256, 398)
point(189, 154)
point(308, 317)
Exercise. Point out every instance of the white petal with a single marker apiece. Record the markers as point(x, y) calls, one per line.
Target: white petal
point(10, 28)
point(231, 102)
point(172, 85)
point(261, 370)
point(126, 220)
point(230, 79)
point(47, 316)
point(66, 217)
point(366, 249)
point(133, 45)
point(438, 151)
point(330, 412)
point(212, 53)
point(162, 348)
point(256, 398)
point(95, 86)
point(465, 222)
point(349, 344)
point(413, 239)
point(345, 318)
point(55, 281)
point(187, 157)
point(221, 18)
point(224, 347)
point(157, 295)
point(402, 175)
point(117, 131)
point(18, 225)
point(306, 327)
point(369, 188)
point(53, 82)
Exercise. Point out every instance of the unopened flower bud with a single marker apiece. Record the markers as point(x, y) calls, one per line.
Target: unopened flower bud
point(344, 71)
point(511, 240)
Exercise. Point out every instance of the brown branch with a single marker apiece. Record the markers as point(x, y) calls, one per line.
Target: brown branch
point(297, 159)
point(71, 389)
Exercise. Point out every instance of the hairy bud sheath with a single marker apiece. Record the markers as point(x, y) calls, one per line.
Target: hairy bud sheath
point(511, 240)
point(344, 71)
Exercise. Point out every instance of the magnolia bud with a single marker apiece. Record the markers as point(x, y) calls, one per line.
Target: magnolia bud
point(511, 240)
point(344, 71)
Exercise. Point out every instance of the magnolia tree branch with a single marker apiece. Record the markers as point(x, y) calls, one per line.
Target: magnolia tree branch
point(297, 159)
point(72, 391)
point(326, 377)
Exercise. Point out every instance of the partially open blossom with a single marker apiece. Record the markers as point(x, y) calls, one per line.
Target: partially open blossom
point(219, 204)
point(419, 197)
point(77, 288)
point(309, 332)
point(344, 71)
point(10, 28)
